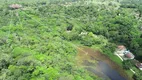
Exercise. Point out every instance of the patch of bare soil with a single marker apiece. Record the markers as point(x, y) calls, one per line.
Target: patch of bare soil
point(89, 58)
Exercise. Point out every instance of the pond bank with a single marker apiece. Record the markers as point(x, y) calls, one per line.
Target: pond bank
point(87, 57)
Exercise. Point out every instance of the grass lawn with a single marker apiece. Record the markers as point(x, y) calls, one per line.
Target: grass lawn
point(115, 59)
point(130, 73)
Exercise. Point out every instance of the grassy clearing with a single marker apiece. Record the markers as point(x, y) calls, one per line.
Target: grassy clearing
point(115, 59)
point(130, 73)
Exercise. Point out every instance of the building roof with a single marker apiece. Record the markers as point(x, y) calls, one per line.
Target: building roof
point(129, 54)
point(121, 47)
point(139, 65)
point(15, 6)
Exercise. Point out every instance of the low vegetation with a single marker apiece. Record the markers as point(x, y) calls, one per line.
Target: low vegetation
point(37, 41)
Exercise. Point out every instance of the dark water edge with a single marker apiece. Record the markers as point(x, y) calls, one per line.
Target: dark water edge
point(98, 73)
point(108, 71)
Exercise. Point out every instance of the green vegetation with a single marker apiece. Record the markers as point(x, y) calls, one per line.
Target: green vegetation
point(39, 41)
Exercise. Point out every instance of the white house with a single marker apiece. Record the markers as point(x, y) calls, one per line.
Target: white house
point(124, 53)
point(128, 55)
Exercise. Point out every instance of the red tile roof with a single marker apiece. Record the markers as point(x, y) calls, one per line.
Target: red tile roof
point(129, 55)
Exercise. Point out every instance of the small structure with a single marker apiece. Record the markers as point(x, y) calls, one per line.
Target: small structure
point(124, 53)
point(121, 48)
point(128, 55)
point(15, 6)
point(83, 33)
point(139, 65)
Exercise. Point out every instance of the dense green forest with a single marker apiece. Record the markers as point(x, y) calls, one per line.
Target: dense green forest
point(39, 41)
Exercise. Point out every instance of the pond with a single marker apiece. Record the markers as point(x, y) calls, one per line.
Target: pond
point(108, 71)
point(101, 65)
